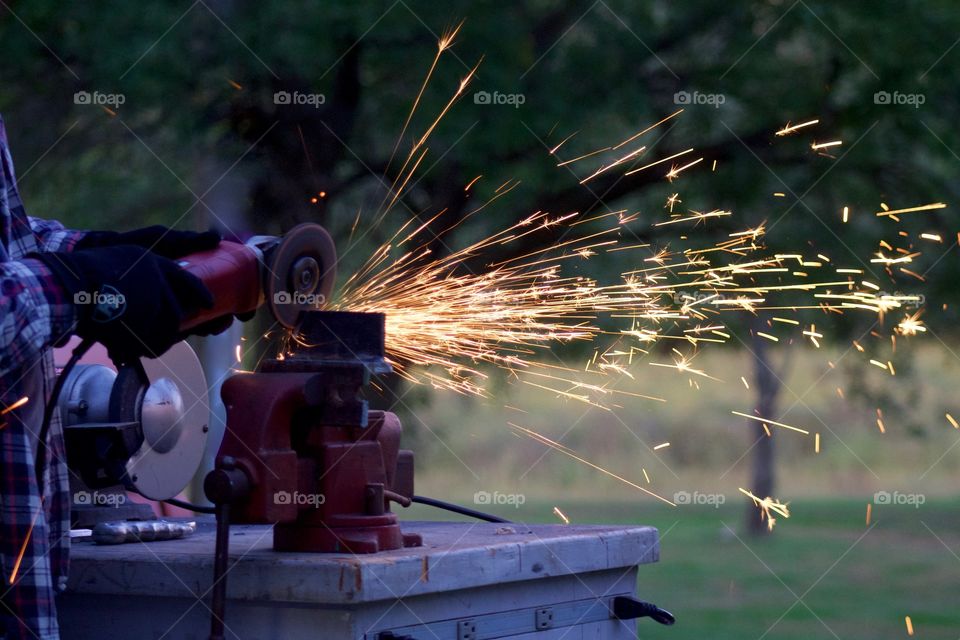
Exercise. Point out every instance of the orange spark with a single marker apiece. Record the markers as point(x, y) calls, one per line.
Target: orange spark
point(556, 446)
point(788, 128)
point(561, 515)
point(23, 547)
point(925, 207)
point(816, 146)
point(773, 422)
point(16, 405)
point(766, 505)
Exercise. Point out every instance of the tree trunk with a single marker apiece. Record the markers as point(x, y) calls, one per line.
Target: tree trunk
point(767, 385)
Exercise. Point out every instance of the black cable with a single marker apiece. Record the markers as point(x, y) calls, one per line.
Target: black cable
point(431, 502)
point(192, 507)
point(456, 508)
point(173, 501)
point(41, 462)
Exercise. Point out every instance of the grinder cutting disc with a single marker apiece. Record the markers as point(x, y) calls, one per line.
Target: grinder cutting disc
point(173, 415)
point(300, 273)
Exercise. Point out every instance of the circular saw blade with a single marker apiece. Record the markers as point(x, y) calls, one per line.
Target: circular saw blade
point(174, 414)
point(300, 273)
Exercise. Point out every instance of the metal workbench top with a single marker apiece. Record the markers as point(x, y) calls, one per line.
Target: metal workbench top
point(454, 555)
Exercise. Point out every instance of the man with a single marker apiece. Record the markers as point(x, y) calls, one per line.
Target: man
point(49, 280)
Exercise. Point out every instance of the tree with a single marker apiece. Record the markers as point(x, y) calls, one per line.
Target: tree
point(199, 84)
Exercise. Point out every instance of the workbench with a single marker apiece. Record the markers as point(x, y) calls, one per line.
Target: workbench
point(469, 581)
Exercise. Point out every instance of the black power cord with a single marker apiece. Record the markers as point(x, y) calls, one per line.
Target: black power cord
point(41, 462)
point(456, 508)
point(173, 501)
point(192, 507)
point(430, 502)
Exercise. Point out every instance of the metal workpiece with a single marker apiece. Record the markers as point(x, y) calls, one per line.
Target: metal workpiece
point(141, 531)
point(328, 338)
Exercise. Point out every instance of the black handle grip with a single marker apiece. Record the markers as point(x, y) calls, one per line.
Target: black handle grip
point(627, 608)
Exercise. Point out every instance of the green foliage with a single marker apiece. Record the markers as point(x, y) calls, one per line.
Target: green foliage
point(604, 69)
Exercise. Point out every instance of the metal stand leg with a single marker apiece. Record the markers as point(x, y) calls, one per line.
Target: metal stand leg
point(220, 557)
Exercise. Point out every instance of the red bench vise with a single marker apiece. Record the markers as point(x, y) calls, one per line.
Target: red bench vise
point(303, 452)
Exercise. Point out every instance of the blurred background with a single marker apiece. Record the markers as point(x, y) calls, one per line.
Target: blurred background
point(255, 116)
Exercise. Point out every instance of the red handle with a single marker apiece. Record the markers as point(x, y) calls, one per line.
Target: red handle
point(232, 274)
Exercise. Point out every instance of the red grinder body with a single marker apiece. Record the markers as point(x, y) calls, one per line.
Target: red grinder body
point(290, 274)
point(232, 274)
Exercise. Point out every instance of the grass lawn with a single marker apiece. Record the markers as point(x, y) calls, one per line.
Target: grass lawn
point(853, 580)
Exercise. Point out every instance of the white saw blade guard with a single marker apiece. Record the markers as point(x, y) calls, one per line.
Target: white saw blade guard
point(174, 415)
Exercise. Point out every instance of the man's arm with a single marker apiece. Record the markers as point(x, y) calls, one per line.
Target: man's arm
point(34, 313)
point(53, 236)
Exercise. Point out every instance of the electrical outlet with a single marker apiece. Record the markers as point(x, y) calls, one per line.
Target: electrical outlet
point(544, 618)
point(467, 630)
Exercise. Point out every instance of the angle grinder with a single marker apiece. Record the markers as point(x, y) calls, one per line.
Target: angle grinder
point(291, 274)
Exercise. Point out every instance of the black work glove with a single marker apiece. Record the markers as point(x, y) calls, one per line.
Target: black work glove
point(127, 298)
point(161, 240)
point(169, 243)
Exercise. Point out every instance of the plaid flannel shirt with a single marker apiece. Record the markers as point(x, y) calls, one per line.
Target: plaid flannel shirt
point(34, 314)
